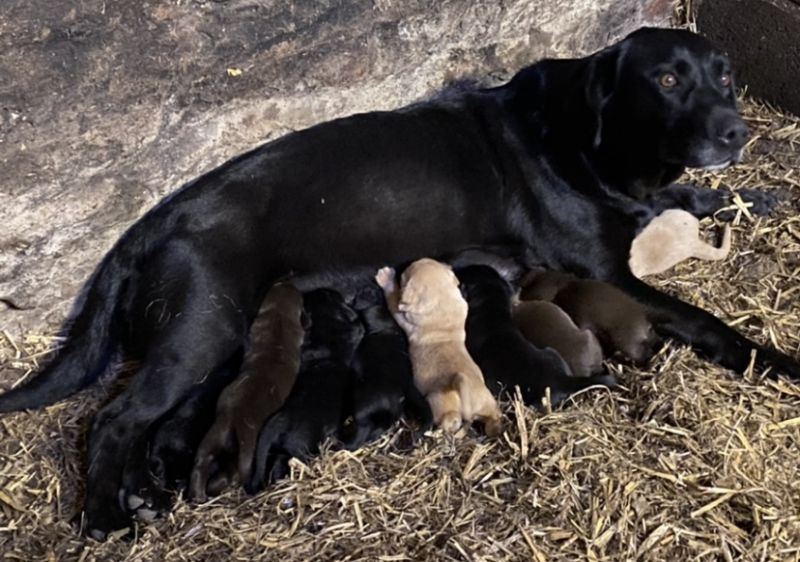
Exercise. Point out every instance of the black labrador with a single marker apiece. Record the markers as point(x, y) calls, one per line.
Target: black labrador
point(383, 387)
point(318, 403)
point(569, 159)
point(505, 357)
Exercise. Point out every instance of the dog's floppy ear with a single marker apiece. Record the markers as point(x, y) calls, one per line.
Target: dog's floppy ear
point(602, 75)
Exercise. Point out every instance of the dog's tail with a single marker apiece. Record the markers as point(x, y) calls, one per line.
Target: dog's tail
point(90, 338)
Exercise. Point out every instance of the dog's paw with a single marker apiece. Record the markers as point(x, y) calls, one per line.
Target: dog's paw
point(385, 278)
point(760, 203)
point(141, 495)
point(105, 519)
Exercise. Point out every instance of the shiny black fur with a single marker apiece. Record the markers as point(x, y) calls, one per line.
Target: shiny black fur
point(384, 381)
point(570, 159)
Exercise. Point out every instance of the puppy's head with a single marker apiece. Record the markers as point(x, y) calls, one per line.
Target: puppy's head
point(665, 97)
point(330, 321)
point(429, 294)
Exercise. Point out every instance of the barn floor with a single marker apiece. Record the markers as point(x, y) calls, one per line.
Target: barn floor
point(687, 462)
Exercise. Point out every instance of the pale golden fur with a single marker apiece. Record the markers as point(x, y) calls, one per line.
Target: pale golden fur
point(429, 307)
point(670, 238)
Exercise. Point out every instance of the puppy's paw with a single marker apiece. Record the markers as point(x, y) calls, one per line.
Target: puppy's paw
point(450, 422)
point(385, 278)
point(493, 426)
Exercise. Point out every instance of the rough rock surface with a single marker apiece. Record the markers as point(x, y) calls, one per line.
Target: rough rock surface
point(105, 107)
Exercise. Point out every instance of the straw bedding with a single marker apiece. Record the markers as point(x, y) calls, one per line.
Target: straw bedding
point(687, 462)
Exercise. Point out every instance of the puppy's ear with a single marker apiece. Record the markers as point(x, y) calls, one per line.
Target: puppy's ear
point(602, 75)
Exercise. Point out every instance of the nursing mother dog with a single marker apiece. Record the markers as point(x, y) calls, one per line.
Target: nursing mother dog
point(568, 160)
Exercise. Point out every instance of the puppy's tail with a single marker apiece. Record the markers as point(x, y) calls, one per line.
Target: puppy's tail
point(89, 343)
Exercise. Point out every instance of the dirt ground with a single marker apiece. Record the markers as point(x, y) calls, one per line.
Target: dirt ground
point(687, 462)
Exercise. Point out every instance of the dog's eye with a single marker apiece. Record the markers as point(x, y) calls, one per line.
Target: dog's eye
point(667, 80)
point(725, 80)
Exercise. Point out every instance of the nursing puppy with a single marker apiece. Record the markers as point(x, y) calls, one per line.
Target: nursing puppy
point(384, 380)
point(506, 358)
point(619, 322)
point(546, 325)
point(429, 307)
point(267, 375)
point(670, 238)
point(317, 404)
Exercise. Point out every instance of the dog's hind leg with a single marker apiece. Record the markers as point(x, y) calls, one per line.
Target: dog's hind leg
point(181, 355)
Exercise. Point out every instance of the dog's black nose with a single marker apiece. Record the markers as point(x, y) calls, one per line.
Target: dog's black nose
point(732, 131)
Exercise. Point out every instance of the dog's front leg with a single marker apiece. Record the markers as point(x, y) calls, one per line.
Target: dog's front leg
point(705, 332)
point(704, 202)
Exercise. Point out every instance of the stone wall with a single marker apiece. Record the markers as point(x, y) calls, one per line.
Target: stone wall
point(105, 107)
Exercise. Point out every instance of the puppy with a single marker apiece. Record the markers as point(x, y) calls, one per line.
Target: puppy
point(384, 381)
point(670, 238)
point(316, 406)
point(267, 375)
point(506, 358)
point(546, 325)
point(430, 309)
point(620, 323)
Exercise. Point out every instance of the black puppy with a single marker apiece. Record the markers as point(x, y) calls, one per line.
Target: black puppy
point(318, 403)
point(384, 381)
point(570, 159)
point(505, 357)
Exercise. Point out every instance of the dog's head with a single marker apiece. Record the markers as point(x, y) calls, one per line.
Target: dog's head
point(651, 105)
point(670, 93)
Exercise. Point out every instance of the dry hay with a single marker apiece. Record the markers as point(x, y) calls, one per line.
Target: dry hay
point(689, 462)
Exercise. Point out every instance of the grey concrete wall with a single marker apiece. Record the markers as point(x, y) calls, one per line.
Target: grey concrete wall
point(105, 107)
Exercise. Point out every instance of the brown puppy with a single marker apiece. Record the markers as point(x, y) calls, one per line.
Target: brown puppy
point(619, 322)
point(545, 325)
point(267, 375)
point(430, 309)
point(670, 238)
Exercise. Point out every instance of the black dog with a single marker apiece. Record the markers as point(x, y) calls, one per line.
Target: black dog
point(318, 403)
point(384, 380)
point(505, 357)
point(569, 159)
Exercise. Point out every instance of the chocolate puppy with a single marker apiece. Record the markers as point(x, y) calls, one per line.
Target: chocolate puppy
point(546, 325)
point(384, 380)
point(619, 322)
point(505, 357)
point(317, 404)
point(267, 375)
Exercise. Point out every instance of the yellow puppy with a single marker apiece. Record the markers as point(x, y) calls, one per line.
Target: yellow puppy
point(430, 309)
point(670, 238)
